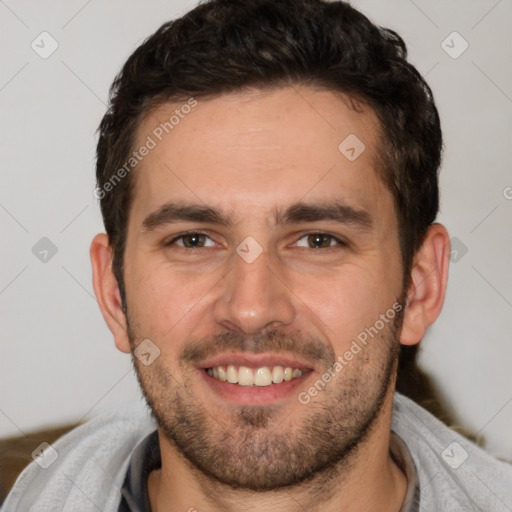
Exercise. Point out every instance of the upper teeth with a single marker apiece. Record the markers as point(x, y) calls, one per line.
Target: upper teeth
point(245, 376)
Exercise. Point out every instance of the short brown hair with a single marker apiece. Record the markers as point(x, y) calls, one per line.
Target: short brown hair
point(224, 46)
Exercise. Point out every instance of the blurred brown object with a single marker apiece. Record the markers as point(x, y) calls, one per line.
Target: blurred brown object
point(16, 453)
point(417, 385)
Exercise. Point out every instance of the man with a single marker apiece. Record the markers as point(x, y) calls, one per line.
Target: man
point(267, 173)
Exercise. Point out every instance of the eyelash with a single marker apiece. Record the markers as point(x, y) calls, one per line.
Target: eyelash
point(340, 243)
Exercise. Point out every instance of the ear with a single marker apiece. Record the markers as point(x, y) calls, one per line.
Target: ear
point(427, 288)
point(107, 292)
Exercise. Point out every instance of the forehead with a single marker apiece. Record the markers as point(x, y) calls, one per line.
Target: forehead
point(253, 151)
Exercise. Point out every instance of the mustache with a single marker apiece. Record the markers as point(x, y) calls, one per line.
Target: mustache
point(270, 341)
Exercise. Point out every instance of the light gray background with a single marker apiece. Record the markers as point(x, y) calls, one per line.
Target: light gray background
point(58, 362)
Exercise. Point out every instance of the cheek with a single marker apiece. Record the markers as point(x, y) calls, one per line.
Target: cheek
point(166, 302)
point(347, 301)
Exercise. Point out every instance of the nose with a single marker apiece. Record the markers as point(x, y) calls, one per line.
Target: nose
point(254, 297)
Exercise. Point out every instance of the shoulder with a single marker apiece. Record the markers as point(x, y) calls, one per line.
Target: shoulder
point(89, 464)
point(454, 473)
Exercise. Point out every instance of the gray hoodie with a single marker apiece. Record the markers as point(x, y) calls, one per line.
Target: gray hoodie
point(86, 468)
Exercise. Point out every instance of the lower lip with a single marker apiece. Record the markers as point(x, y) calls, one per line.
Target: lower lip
point(256, 395)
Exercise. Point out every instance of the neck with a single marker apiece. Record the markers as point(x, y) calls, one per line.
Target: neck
point(369, 481)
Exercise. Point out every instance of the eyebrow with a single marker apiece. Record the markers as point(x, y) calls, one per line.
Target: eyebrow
point(336, 211)
point(296, 213)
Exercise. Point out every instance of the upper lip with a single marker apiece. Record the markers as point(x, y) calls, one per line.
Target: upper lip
point(255, 360)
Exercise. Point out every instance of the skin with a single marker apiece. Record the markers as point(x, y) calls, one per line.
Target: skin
point(250, 154)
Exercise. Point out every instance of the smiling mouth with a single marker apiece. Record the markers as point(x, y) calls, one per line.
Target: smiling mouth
point(257, 377)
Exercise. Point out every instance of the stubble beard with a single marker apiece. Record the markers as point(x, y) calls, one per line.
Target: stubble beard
point(263, 448)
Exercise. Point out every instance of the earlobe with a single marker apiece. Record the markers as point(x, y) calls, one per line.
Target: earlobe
point(107, 292)
point(429, 276)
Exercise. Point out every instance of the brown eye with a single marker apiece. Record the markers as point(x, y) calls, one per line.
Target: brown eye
point(319, 241)
point(191, 241)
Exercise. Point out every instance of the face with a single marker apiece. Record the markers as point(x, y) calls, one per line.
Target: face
point(263, 262)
